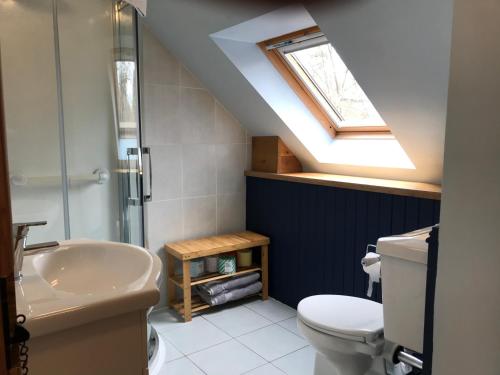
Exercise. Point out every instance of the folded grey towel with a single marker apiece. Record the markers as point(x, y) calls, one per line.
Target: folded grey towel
point(230, 295)
point(217, 287)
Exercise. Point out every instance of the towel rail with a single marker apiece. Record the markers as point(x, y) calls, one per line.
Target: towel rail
point(99, 176)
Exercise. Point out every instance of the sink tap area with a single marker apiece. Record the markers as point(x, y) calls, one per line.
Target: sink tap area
point(80, 290)
point(20, 235)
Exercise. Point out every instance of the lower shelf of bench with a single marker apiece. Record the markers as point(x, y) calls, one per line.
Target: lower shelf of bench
point(197, 304)
point(177, 280)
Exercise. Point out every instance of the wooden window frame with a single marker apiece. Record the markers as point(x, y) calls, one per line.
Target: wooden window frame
point(307, 97)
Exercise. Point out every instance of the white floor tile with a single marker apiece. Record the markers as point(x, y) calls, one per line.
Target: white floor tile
point(268, 369)
point(165, 320)
point(228, 358)
point(272, 342)
point(237, 320)
point(300, 362)
point(171, 352)
point(291, 325)
point(181, 366)
point(271, 309)
point(196, 335)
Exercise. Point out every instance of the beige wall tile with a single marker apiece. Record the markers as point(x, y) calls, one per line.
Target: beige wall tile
point(230, 213)
point(199, 217)
point(161, 114)
point(187, 79)
point(159, 66)
point(231, 163)
point(167, 172)
point(164, 223)
point(197, 116)
point(227, 128)
point(198, 166)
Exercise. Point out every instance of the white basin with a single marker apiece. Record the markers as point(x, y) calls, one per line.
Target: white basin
point(83, 281)
point(93, 268)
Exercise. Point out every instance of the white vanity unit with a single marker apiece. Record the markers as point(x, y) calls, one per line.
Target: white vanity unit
point(86, 306)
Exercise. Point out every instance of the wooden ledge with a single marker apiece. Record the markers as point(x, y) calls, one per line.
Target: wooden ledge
point(405, 188)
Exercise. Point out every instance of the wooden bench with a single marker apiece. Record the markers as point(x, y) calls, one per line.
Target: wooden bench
point(185, 251)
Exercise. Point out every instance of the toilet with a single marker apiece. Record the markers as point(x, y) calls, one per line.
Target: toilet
point(346, 332)
point(356, 336)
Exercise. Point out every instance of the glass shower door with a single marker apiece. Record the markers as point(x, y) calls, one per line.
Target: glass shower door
point(31, 115)
point(101, 119)
point(127, 123)
point(72, 114)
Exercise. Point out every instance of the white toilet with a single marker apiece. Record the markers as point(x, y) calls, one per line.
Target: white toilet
point(355, 336)
point(347, 333)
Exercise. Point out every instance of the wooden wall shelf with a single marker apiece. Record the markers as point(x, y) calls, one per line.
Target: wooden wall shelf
point(404, 188)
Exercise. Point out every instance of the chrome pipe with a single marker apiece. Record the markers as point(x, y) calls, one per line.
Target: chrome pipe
point(410, 360)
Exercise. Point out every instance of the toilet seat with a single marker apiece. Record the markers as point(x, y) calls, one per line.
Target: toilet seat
point(346, 317)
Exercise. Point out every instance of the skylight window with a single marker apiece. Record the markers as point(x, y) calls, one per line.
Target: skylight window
point(316, 72)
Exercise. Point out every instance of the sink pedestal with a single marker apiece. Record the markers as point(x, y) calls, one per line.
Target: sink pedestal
point(86, 305)
point(116, 345)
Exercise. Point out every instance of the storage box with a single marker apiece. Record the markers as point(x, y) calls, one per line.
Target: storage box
point(270, 154)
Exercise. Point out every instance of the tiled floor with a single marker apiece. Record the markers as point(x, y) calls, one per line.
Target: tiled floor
point(252, 338)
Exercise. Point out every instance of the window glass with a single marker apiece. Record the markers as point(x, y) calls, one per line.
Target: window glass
point(327, 77)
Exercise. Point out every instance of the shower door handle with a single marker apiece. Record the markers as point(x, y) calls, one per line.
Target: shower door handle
point(134, 201)
point(149, 196)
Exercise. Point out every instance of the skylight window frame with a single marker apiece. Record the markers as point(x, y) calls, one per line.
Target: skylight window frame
point(275, 49)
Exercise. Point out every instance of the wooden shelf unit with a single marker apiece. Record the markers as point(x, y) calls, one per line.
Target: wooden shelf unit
point(185, 251)
point(177, 279)
point(197, 304)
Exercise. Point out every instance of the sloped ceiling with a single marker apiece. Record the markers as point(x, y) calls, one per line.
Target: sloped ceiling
point(397, 49)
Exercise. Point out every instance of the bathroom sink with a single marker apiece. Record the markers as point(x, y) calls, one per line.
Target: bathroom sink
point(82, 281)
point(93, 267)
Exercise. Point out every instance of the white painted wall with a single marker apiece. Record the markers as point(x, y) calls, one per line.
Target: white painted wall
point(199, 154)
point(398, 50)
point(467, 310)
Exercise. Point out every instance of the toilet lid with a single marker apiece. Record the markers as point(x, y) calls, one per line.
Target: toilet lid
point(343, 316)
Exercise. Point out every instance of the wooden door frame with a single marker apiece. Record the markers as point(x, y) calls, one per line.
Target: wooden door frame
point(9, 355)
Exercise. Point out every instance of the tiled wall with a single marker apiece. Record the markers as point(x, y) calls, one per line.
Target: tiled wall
point(199, 154)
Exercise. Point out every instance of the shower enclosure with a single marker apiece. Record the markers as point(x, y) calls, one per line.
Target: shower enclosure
point(73, 123)
point(71, 91)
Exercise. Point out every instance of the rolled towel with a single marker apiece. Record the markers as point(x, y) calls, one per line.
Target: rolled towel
point(231, 295)
point(217, 287)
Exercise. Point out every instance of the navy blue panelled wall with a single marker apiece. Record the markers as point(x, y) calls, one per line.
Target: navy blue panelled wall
point(319, 234)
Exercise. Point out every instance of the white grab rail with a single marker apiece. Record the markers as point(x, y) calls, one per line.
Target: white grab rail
point(99, 176)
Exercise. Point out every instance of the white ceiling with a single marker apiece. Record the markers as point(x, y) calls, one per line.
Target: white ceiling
point(398, 50)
